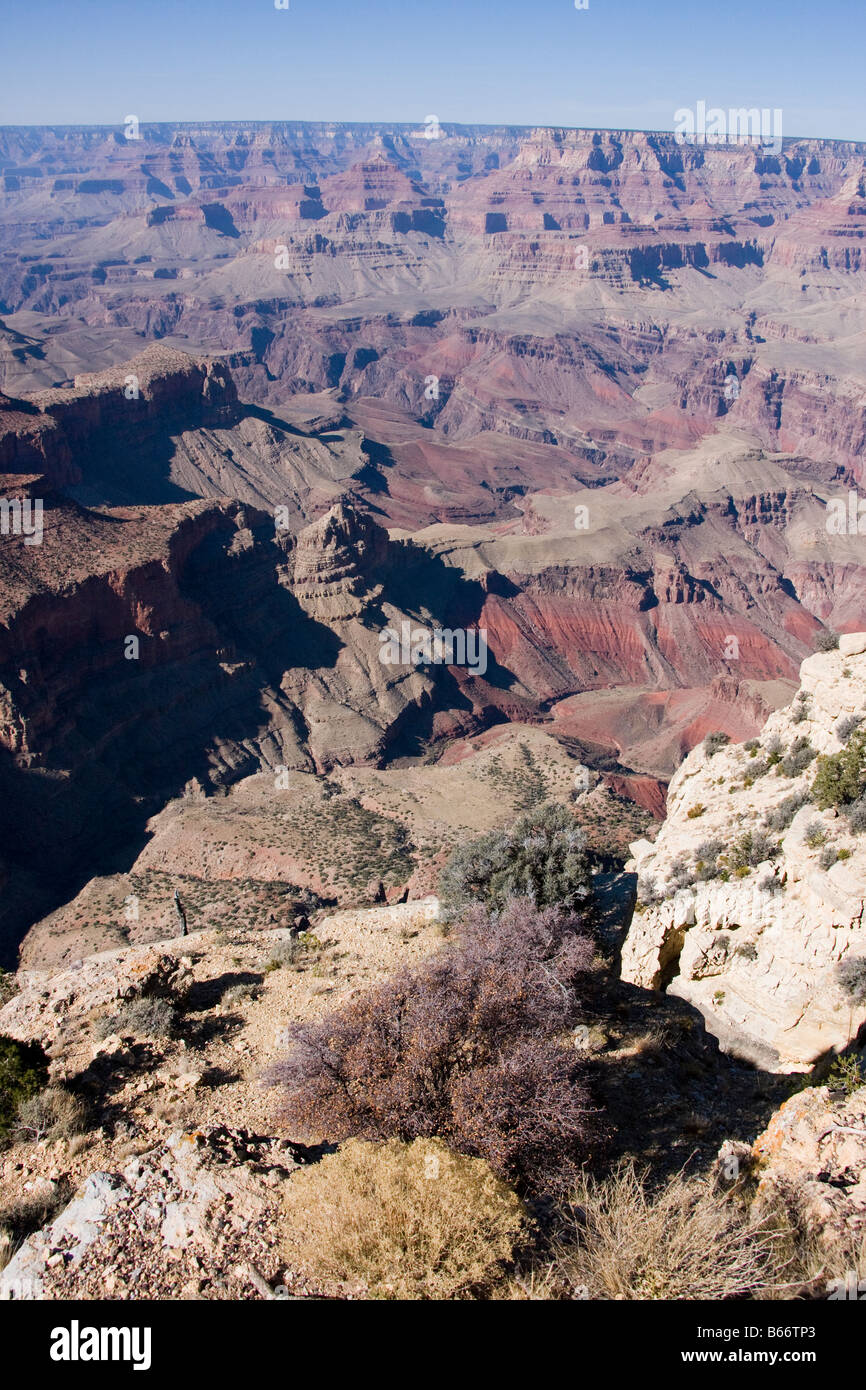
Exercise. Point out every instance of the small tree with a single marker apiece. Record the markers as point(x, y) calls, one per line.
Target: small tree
point(841, 777)
point(541, 857)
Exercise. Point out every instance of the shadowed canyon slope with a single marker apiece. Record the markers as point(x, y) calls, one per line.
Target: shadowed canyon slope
point(281, 387)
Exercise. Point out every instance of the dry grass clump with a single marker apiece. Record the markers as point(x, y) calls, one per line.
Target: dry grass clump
point(52, 1114)
point(144, 1017)
point(816, 1264)
point(836, 1267)
point(402, 1221)
point(685, 1241)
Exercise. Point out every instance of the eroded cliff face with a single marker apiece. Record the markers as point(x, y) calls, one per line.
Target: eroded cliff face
point(141, 648)
point(589, 293)
point(751, 895)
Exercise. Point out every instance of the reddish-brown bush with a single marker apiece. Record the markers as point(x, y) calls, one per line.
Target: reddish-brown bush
point(469, 1047)
point(528, 1113)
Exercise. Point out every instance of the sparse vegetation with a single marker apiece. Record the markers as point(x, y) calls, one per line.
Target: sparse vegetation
point(239, 994)
point(402, 1221)
point(827, 641)
point(815, 835)
point(844, 727)
point(714, 742)
point(696, 811)
point(749, 850)
point(851, 977)
point(797, 759)
point(284, 955)
point(685, 1241)
point(782, 815)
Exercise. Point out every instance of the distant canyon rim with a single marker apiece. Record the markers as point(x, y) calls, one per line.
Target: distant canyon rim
point(275, 388)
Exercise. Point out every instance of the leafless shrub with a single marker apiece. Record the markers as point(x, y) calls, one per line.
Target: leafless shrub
point(147, 1017)
point(782, 815)
point(851, 976)
point(399, 1060)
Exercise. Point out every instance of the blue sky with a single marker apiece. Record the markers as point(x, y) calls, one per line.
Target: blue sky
point(620, 63)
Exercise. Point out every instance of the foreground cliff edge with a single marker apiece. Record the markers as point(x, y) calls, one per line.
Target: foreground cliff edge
point(752, 895)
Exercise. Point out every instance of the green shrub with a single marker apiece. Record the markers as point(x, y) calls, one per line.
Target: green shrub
point(23, 1073)
point(846, 1074)
point(542, 857)
point(827, 641)
point(815, 835)
point(841, 777)
point(696, 811)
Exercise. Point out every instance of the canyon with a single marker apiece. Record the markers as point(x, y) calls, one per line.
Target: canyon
point(282, 386)
point(594, 401)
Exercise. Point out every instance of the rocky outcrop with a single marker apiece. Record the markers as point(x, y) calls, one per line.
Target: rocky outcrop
point(125, 414)
point(45, 1001)
point(334, 563)
point(751, 895)
point(194, 1215)
point(812, 1158)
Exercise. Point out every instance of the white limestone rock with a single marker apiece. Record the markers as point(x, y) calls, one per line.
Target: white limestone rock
point(757, 954)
